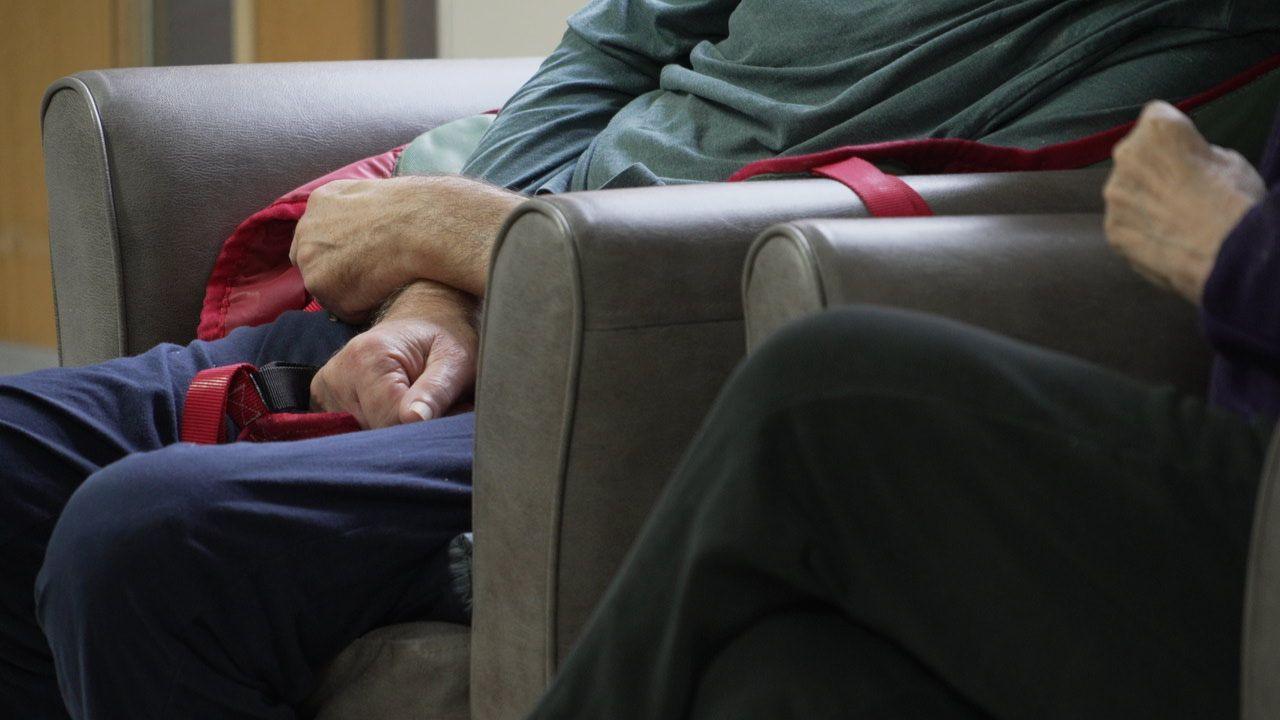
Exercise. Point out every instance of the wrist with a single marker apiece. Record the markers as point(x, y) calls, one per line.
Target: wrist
point(451, 243)
point(429, 299)
point(1217, 228)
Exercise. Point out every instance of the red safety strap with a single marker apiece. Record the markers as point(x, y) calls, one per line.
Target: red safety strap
point(214, 394)
point(218, 393)
point(883, 194)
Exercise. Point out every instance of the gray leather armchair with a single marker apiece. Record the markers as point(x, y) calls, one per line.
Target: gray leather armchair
point(1048, 280)
point(612, 319)
point(149, 170)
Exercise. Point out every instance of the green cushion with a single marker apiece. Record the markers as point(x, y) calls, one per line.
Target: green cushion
point(445, 149)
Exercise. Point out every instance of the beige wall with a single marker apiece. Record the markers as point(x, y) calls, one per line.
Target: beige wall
point(502, 28)
point(40, 42)
point(297, 30)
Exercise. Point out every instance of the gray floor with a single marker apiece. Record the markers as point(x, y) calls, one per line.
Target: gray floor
point(15, 358)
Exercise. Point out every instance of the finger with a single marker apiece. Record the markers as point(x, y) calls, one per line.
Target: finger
point(320, 398)
point(1175, 124)
point(1152, 261)
point(1159, 109)
point(352, 407)
point(336, 395)
point(1150, 276)
point(381, 400)
point(449, 374)
point(299, 231)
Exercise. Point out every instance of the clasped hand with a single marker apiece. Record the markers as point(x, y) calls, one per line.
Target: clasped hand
point(1173, 198)
point(361, 240)
point(414, 364)
point(424, 242)
point(351, 244)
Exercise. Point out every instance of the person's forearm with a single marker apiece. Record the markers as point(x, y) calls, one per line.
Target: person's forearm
point(1241, 302)
point(429, 299)
point(465, 218)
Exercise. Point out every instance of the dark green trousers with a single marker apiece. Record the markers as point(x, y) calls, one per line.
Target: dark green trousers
point(888, 515)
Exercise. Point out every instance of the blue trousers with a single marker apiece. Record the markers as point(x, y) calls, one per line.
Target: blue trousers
point(141, 577)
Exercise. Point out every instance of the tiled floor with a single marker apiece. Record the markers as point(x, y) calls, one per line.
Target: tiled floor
point(16, 358)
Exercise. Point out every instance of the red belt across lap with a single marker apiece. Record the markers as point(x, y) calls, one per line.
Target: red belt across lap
point(262, 405)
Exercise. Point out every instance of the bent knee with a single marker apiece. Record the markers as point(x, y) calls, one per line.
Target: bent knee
point(123, 528)
point(867, 348)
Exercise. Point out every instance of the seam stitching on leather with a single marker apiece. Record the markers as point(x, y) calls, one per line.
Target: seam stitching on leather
point(571, 401)
point(79, 87)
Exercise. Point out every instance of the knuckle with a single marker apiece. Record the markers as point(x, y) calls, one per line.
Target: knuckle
point(358, 349)
point(1123, 154)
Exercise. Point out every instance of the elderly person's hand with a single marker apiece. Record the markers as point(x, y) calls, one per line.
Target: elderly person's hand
point(1173, 198)
point(360, 240)
point(413, 364)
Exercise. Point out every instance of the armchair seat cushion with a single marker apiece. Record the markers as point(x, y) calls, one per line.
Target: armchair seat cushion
point(413, 671)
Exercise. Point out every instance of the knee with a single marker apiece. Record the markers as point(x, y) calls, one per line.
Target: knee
point(124, 537)
point(857, 348)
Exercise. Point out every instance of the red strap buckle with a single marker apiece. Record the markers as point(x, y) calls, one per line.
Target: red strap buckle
point(226, 392)
point(214, 394)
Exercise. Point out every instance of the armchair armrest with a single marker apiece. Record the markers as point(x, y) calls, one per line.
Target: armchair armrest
point(1260, 653)
point(612, 319)
point(1047, 280)
point(150, 169)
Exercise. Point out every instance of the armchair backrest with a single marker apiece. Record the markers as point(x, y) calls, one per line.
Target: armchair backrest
point(150, 169)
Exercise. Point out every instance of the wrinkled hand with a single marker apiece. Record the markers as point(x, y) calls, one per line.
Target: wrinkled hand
point(1173, 198)
point(349, 244)
point(412, 365)
point(360, 240)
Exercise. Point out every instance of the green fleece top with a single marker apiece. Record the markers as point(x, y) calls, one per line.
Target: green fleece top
point(641, 92)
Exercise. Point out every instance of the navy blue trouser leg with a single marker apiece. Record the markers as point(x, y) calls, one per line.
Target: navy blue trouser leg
point(196, 581)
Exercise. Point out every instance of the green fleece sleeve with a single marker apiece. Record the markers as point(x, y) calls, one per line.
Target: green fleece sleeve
point(611, 54)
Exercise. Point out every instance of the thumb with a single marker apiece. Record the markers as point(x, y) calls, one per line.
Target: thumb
point(448, 374)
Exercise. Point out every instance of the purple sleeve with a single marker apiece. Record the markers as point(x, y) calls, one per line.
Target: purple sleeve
point(1241, 307)
point(1241, 313)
